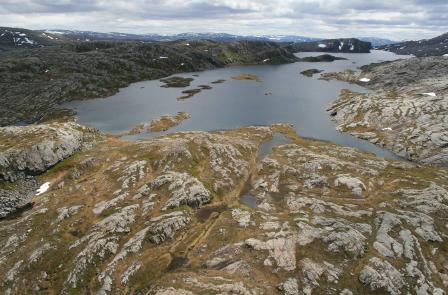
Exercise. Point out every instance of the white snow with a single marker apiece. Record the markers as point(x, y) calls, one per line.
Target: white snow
point(43, 188)
point(28, 41)
point(266, 60)
point(322, 45)
point(445, 55)
point(182, 64)
point(55, 32)
point(387, 129)
point(163, 57)
point(364, 80)
point(47, 70)
point(48, 36)
point(430, 94)
point(352, 47)
point(341, 44)
point(188, 44)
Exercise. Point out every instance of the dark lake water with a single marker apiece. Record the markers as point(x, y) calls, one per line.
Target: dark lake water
point(293, 98)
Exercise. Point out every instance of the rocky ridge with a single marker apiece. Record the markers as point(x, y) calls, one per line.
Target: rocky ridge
point(346, 45)
point(406, 111)
point(163, 216)
point(436, 46)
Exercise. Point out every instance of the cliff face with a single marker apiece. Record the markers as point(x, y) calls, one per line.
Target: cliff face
point(350, 45)
point(34, 81)
point(437, 46)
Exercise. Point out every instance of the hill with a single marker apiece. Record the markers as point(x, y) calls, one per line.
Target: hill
point(437, 46)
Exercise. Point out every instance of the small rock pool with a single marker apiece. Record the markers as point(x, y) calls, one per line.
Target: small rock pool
point(282, 96)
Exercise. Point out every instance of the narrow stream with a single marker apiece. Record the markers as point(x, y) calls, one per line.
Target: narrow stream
point(265, 149)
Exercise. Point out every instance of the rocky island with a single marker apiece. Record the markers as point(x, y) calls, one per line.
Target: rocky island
point(321, 58)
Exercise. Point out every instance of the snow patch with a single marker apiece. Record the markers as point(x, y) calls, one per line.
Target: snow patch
point(48, 36)
point(163, 57)
point(266, 60)
point(430, 94)
point(322, 45)
point(341, 44)
point(43, 188)
point(364, 80)
point(55, 32)
point(28, 41)
point(387, 129)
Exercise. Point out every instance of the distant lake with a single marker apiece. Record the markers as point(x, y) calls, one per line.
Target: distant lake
point(283, 96)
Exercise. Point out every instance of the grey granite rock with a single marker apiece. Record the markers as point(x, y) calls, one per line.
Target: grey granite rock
point(183, 188)
point(381, 275)
point(164, 227)
point(27, 151)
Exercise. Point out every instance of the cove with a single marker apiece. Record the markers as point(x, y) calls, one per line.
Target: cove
point(282, 96)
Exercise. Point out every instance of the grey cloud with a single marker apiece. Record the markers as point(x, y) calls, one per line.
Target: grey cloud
point(237, 16)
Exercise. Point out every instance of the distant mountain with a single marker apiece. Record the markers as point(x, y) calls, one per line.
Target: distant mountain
point(347, 45)
point(89, 36)
point(376, 42)
point(429, 47)
point(22, 38)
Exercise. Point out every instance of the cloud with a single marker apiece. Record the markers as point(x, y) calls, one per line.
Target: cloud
point(397, 19)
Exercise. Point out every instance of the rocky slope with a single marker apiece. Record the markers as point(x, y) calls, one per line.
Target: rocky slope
point(33, 82)
point(163, 216)
point(347, 45)
point(431, 47)
point(26, 152)
point(17, 38)
point(406, 111)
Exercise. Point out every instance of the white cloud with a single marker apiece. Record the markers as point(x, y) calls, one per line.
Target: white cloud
point(397, 19)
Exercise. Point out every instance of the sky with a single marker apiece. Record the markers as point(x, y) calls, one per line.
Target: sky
point(393, 19)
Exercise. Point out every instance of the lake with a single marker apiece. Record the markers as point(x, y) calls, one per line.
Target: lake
point(283, 96)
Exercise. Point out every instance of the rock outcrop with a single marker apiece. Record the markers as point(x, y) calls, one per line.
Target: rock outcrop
point(407, 111)
point(28, 151)
point(163, 216)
